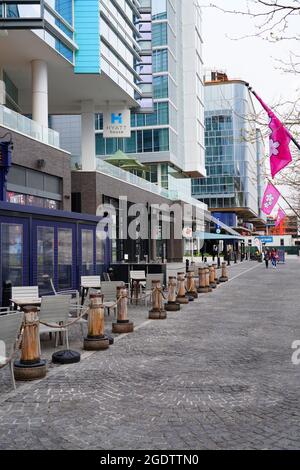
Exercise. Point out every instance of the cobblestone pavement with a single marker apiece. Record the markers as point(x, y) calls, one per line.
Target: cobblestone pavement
point(217, 375)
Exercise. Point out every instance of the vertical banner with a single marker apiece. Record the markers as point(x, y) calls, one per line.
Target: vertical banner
point(116, 122)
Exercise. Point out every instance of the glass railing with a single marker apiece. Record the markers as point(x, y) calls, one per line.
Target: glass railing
point(141, 183)
point(19, 123)
point(128, 177)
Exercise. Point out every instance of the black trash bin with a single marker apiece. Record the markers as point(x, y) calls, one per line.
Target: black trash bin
point(6, 293)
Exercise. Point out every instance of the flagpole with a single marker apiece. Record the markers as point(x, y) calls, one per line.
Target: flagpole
point(256, 96)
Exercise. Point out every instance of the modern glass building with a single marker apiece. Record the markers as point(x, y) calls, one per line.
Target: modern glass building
point(169, 140)
point(234, 152)
point(74, 57)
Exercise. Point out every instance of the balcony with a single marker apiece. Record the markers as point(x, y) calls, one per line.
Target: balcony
point(19, 123)
point(127, 177)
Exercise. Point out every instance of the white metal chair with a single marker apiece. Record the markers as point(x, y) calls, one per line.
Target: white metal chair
point(87, 283)
point(10, 326)
point(137, 276)
point(90, 281)
point(72, 293)
point(25, 292)
point(109, 291)
point(55, 311)
point(106, 277)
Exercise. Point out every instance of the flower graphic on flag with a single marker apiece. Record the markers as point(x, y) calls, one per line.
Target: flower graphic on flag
point(280, 139)
point(270, 199)
point(274, 148)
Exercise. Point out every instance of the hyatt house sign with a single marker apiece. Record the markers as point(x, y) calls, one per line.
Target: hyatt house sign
point(116, 123)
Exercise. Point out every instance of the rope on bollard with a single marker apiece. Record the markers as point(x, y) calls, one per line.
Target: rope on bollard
point(80, 317)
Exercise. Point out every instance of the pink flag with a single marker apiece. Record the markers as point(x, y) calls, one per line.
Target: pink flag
point(280, 138)
point(280, 217)
point(270, 199)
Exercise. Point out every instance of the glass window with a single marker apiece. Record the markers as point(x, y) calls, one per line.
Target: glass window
point(35, 180)
point(159, 9)
point(148, 144)
point(161, 140)
point(160, 87)
point(12, 253)
point(45, 256)
point(160, 61)
point(52, 184)
point(87, 252)
point(159, 34)
point(100, 253)
point(130, 144)
point(65, 250)
point(100, 145)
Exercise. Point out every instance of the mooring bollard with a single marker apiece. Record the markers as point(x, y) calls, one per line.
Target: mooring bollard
point(158, 312)
point(207, 279)
point(172, 305)
point(212, 282)
point(30, 366)
point(191, 287)
point(224, 276)
point(202, 289)
point(123, 325)
point(215, 266)
point(96, 340)
point(181, 294)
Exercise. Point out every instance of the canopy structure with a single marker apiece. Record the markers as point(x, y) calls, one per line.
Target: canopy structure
point(121, 160)
point(215, 236)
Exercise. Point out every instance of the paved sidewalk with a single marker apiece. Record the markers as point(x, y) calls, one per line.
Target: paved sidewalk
point(217, 375)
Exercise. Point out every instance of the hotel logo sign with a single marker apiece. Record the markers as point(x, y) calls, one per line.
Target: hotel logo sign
point(116, 123)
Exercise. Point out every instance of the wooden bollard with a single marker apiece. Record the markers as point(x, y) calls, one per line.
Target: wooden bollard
point(30, 366)
point(96, 339)
point(123, 325)
point(212, 282)
point(172, 305)
point(207, 279)
point(190, 285)
point(215, 266)
point(157, 312)
point(224, 276)
point(181, 291)
point(202, 289)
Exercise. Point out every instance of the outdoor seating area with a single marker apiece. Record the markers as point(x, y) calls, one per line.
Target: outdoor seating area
point(61, 321)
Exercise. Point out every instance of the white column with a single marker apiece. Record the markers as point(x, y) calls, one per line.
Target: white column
point(88, 143)
point(40, 92)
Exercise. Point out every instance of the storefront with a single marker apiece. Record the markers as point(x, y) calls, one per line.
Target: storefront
point(44, 243)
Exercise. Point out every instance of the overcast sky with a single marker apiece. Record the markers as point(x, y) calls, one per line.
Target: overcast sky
point(251, 59)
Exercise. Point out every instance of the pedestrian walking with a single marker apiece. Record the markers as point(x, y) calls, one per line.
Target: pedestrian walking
point(267, 258)
point(274, 258)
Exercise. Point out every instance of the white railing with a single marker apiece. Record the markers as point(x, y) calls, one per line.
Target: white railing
point(19, 123)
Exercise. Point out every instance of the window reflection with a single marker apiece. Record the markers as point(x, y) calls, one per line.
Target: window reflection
point(45, 257)
point(12, 253)
point(65, 258)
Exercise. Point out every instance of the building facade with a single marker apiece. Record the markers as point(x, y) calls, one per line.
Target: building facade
point(234, 154)
point(169, 140)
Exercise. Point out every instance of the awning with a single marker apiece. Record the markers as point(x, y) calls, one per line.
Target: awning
point(215, 236)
